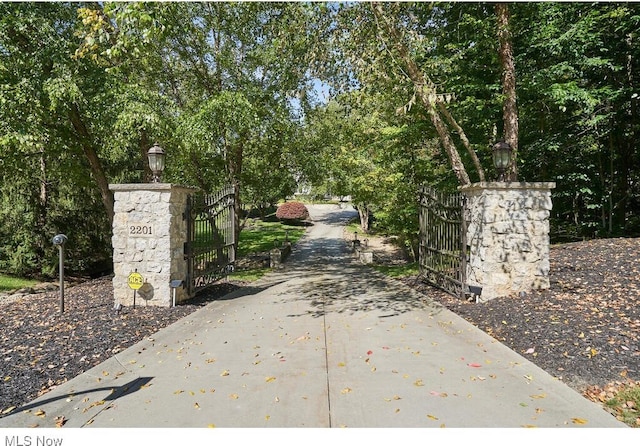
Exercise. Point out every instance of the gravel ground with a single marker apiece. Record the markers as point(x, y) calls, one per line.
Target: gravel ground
point(584, 330)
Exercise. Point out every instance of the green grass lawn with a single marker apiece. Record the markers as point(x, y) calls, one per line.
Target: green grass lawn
point(259, 236)
point(625, 403)
point(354, 226)
point(8, 283)
point(398, 271)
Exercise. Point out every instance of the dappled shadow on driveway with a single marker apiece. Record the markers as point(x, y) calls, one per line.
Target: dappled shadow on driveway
point(348, 288)
point(323, 271)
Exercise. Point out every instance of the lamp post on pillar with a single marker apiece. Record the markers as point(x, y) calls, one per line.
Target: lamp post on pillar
point(156, 157)
point(501, 158)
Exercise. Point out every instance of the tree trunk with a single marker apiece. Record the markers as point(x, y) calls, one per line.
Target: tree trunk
point(509, 108)
point(426, 91)
point(144, 149)
point(94, 161)
point(235, 158)
point(44, 192)
point(365, 216)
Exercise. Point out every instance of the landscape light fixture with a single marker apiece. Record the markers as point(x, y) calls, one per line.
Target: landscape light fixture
point(501, 158)
point(156, 162)
point(59, 241)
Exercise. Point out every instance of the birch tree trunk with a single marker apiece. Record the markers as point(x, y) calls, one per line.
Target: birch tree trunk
point(426, 92)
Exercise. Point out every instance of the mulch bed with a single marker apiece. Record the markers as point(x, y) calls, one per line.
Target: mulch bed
point(584, 330)
point(41, 348)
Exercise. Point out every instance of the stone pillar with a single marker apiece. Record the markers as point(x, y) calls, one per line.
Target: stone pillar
point(508, 237)
point(149, 232)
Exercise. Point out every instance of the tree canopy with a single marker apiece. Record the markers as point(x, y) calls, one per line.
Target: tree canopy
point(418, 93)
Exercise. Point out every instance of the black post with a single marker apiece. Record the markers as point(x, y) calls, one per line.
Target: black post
point(59, 241)
point(61, 269)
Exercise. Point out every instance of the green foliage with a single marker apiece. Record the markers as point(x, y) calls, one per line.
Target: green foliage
point(377, 158)
point(227, 89)
point(577, 93)
point(213, 139)
point(86, 89)
point(578, 113)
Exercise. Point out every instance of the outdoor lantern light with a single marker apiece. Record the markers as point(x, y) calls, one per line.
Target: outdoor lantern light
point(59, 241)
point(156, 162)
point(501, 158)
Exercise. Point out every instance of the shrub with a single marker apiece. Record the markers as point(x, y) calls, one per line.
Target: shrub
point(292, 210)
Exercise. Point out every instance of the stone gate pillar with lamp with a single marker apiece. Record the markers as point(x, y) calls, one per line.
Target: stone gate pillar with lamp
point(149, 233)
point(507, 233)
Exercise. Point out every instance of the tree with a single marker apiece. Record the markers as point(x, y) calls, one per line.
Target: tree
point(52, 118)
point(229, 68)
point(576, 96)
point(426, 91)
point(510, 109)
point(378, 158)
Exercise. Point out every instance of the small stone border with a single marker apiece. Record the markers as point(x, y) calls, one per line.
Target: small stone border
point(278, 255)
point(41, 288)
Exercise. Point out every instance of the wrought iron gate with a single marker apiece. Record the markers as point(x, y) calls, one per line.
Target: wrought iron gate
point(210, 249)
point(443, 246)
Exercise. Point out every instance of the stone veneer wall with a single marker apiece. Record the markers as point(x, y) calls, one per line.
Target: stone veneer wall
point(149, 233)
point(508, 237)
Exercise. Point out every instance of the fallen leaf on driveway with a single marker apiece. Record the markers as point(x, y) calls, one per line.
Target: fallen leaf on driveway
point(7, 410)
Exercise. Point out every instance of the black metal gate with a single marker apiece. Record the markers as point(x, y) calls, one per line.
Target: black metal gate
point(443, 246)
point(210, 249)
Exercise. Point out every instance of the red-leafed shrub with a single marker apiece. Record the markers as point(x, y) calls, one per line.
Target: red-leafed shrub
point(292, 210)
